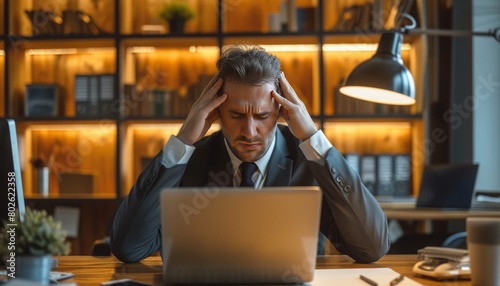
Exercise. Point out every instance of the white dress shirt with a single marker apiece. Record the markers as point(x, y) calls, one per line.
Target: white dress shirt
point(175, 152)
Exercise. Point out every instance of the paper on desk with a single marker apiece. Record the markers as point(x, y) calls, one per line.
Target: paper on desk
point(350, 277)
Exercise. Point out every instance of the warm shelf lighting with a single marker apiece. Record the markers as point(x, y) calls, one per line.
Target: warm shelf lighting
point(106, 127)
point(2, 53)
point(383, 125)
point(201, 49)
point(290, 48)
point(141, 50)
point(357, 47)
point(192, 49)
point(281, 48)
point(164, 126)
point(69, 51)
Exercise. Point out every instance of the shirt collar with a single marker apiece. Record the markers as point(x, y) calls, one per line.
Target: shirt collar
point(262, 163)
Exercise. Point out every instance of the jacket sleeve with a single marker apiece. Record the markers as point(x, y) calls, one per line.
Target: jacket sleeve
point(355, 224)
point(136, 232)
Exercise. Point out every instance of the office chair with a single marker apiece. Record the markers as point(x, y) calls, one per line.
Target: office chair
point(101, 247)
point(456, 240)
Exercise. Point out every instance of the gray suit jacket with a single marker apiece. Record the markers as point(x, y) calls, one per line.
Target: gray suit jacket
point(351, 218)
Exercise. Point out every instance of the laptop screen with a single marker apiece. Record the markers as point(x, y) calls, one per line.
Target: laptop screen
point(240, 235)
point(447, 186)
point(12, 198)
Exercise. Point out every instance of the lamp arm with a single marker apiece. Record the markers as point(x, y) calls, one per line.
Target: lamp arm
point(455, 33)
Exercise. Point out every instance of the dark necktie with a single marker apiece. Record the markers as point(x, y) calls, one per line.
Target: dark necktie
point(247, 169)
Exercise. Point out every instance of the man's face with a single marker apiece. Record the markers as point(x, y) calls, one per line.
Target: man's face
point(248, 117)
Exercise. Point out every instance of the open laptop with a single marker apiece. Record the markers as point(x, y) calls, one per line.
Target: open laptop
point(447, 186)
point(240, 235)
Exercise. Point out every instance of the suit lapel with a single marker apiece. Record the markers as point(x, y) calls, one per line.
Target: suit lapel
point(220, 171)
point(280, 167)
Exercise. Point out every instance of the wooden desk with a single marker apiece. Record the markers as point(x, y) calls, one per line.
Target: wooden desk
point(423, 214)
point(93, 270)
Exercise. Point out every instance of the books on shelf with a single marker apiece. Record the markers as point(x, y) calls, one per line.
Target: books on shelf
point(162, 101)
point(94, 95)
point(383, 174)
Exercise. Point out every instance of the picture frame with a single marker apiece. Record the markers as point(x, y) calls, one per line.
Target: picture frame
point(42, 100)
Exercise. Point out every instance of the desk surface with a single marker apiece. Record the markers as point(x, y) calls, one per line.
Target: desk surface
point(422, 214)
point(90, 270)
point(405, 211)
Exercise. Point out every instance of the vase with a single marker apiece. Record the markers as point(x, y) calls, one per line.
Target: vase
point(43, 181)
point(35, 268)
point(176, 26)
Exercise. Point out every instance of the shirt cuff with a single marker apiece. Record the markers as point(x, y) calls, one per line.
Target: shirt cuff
point(316, 147)
point(175, 152)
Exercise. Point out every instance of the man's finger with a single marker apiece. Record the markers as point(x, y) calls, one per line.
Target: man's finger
point(288, 91)
point(212, 82)
point(285, 103)
point(216, 102)
point(208, 95)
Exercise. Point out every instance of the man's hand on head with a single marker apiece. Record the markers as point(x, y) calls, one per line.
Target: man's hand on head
point(294, 111)
point(203, 113)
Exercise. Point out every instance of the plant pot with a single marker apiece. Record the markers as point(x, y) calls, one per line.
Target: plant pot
point(176, 26)
point(34, 268)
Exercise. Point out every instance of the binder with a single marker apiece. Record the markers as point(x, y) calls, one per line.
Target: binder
point(95, 95)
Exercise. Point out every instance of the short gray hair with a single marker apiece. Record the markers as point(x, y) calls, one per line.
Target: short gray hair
point(249, 64)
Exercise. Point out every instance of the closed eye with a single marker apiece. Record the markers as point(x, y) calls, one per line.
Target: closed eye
point(237, 115)
point(262, 116)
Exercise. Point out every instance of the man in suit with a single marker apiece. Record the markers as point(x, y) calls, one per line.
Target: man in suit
point(247, 96)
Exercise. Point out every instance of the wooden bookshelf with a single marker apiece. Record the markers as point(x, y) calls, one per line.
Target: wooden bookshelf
point(174, 69)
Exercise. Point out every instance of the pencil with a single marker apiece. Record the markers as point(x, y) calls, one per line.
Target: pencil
point(396, 280)
point(368, 280)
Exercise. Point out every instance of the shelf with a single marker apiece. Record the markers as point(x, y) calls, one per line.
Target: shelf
point(378, 117)
point(64, 120)
point(68, 199)
point(157, 77)
point(2, 14)
point(2, 79)
point(81, 157)
point(144, 140)
point(57, 18)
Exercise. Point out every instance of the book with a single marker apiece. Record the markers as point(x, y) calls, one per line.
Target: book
point(353, 161)
point(94, 95)
point(385, 175)
point(402, 175)
point(368, 172)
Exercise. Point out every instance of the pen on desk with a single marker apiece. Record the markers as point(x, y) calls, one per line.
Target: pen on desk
point(368, 280)
point(398, 279)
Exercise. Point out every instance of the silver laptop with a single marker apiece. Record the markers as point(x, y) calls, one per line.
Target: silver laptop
point(240, 235)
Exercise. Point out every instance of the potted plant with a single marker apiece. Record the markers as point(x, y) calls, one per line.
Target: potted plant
point(176, 13)
point(27, 245)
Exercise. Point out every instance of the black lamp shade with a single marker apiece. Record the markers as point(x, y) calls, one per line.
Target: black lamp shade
point(383, 78)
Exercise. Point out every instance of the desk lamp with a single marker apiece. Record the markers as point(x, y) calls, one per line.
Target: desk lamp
point(384, 78)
